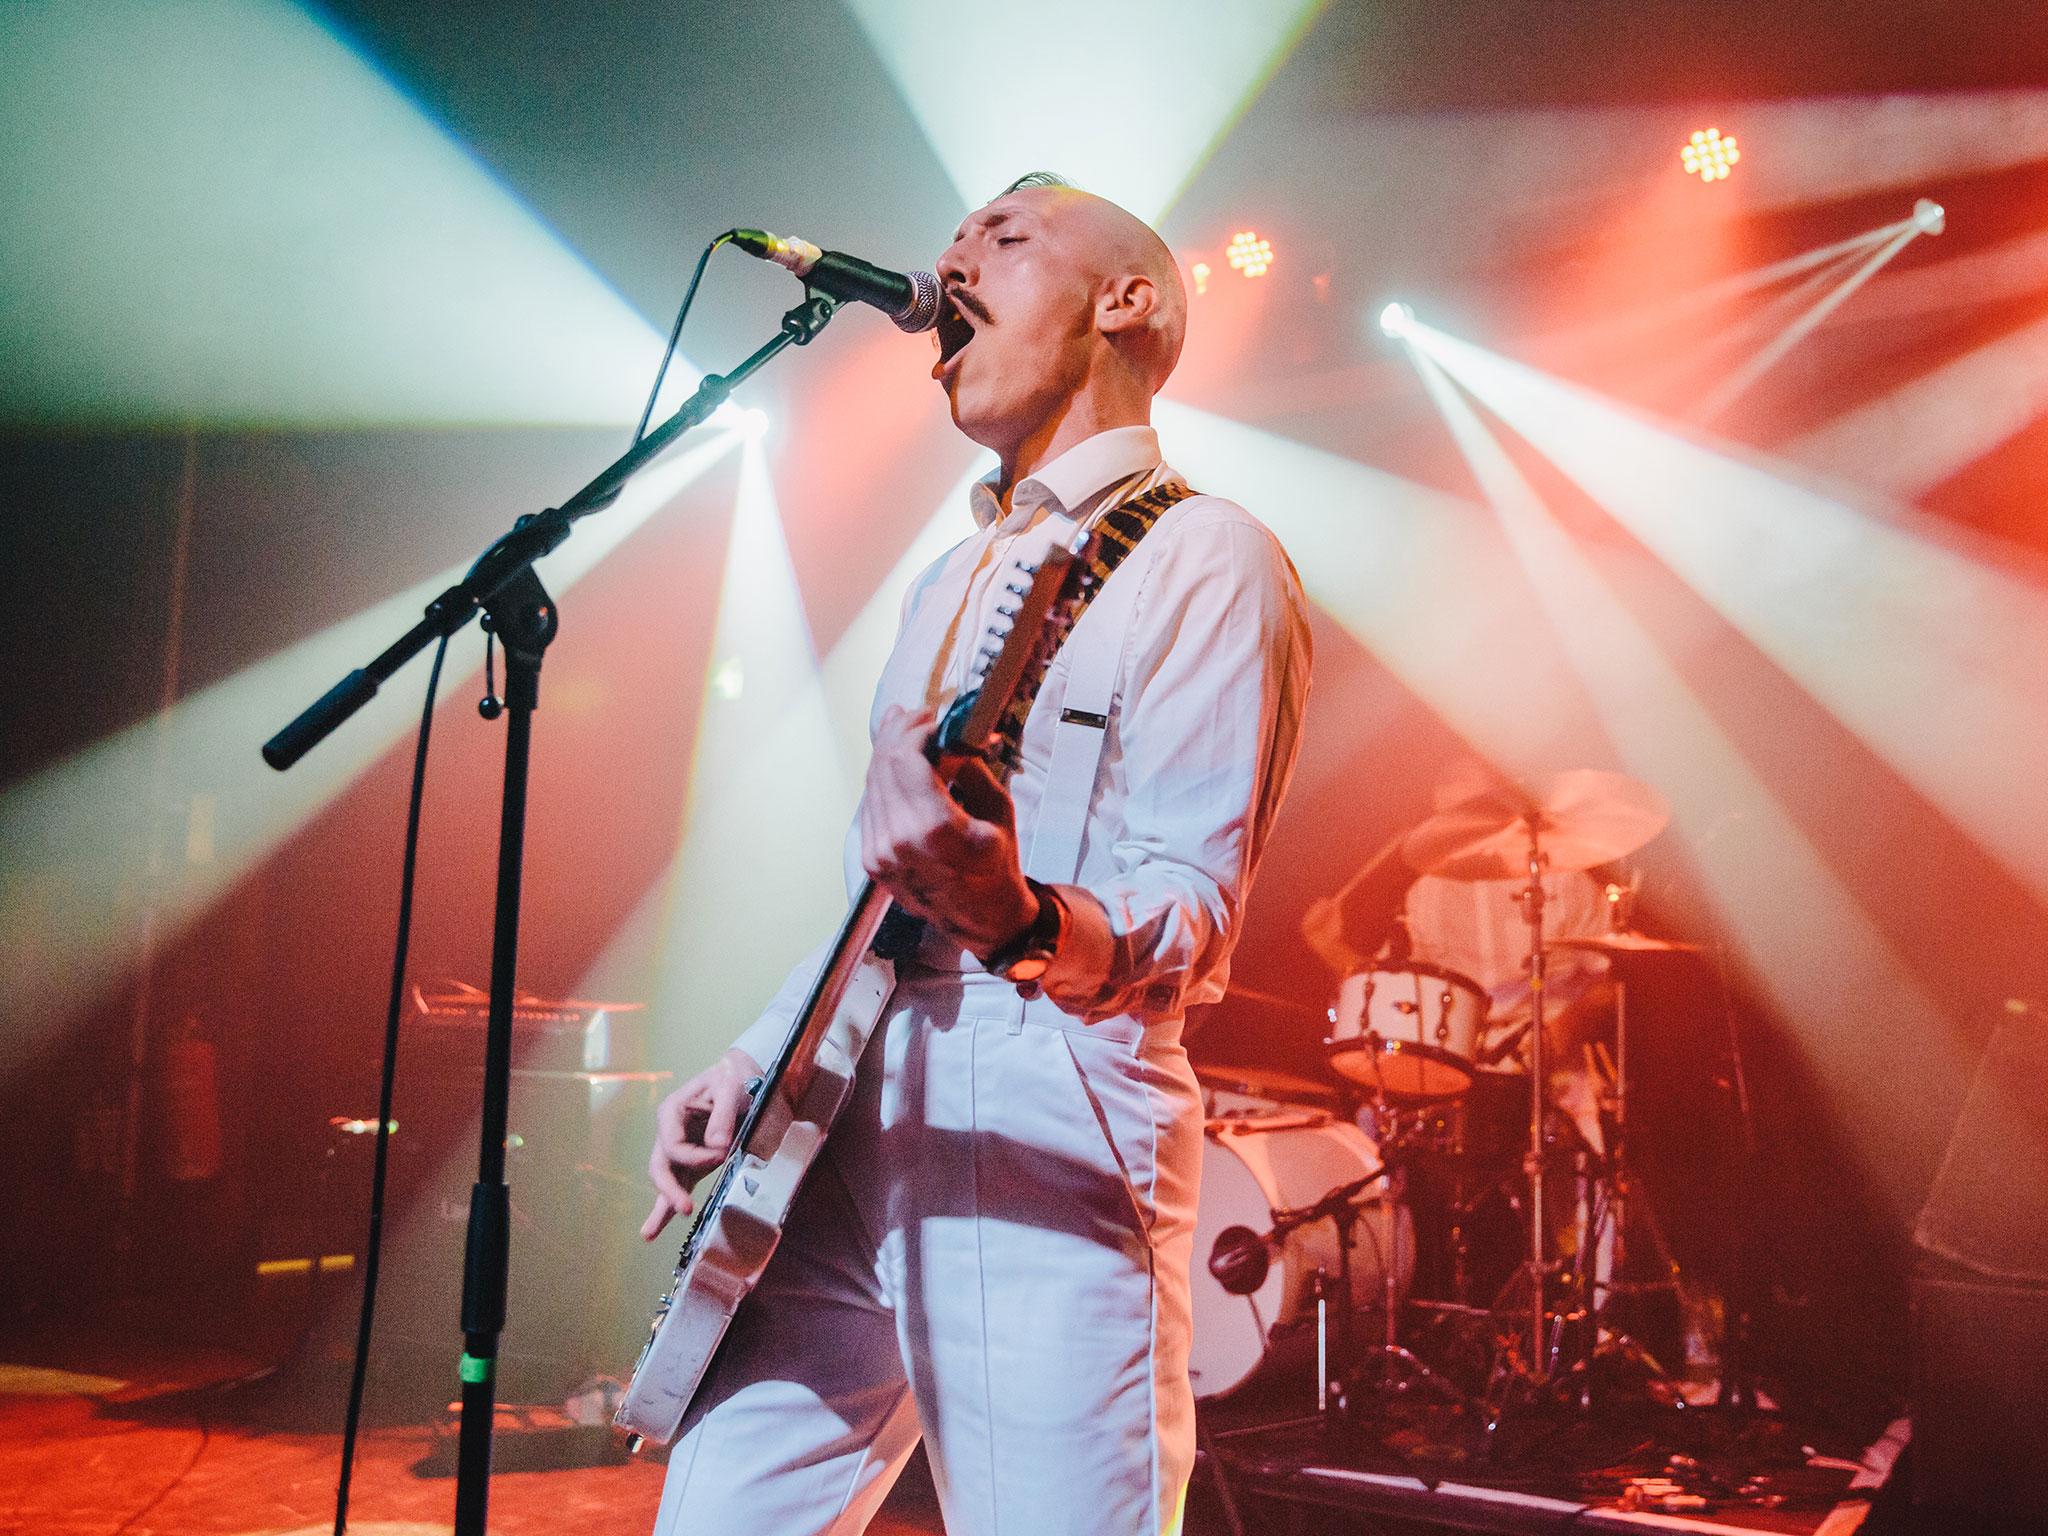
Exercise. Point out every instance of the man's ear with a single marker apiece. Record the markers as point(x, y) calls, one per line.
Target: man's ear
point(1126, 303)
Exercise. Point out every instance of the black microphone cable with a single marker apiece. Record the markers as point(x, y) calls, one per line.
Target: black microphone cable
point(675, 332)
point(373, 1247)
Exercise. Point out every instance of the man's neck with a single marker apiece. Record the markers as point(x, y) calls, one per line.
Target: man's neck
point(1081, 418)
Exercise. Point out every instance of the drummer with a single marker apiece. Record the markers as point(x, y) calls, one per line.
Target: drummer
point(1478, 929)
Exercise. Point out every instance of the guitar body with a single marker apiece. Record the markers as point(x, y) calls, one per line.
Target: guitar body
point(741, 1222)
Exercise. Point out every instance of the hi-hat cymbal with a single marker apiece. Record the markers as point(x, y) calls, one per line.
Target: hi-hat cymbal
point(1582, 817)
point(1254, 996)
point(1264, 1083)
point(1629, 944)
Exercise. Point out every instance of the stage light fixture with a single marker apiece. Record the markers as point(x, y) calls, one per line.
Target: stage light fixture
point(1397, 320)
point(1250, 255)
point(1200, 273)
point(1708, 155)
point(1929, 217)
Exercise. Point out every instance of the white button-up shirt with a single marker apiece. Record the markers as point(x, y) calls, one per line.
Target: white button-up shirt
point(1199, 748)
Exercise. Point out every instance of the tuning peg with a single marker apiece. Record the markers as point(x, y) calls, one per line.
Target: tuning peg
point(1006, 611)
point(1016, 591)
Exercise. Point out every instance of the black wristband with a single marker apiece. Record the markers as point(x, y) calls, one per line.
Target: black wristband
point(1038, 938)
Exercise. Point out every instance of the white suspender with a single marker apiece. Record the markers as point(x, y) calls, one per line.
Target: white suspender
point(1095, 653)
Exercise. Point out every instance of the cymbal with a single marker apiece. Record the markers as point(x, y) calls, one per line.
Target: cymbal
point(1629, 944)
point(1582, 817)
point(1265, 1083)
point(1264, 999)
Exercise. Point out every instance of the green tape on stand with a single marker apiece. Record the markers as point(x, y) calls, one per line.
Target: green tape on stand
point(474, 1369)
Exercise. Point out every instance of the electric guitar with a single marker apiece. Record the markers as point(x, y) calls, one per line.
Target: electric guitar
point(783, 1130)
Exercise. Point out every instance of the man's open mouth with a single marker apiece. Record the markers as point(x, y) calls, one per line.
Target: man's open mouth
point(955, 330)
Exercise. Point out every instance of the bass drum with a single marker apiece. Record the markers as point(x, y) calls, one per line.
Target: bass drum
point(1253, 1167)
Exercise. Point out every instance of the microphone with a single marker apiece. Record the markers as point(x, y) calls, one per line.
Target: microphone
point(1240, 1260)
point(911, 299)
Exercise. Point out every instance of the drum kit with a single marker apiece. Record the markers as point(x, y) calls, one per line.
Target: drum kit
point(1305, 1222)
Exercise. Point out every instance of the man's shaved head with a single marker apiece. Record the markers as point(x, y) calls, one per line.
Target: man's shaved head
point(1066, 310)
point(1122, 244)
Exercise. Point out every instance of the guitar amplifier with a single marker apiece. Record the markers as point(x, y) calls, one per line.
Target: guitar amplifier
point(579, 1119)
point(1980, 1298)
point(548, 1034)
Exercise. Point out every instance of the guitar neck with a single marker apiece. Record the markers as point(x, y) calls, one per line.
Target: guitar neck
point(985, 723)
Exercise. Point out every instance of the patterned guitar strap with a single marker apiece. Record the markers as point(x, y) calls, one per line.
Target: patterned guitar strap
point(1117, 533)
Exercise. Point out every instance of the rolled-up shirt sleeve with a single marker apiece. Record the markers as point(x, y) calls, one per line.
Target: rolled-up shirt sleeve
point(1215, 674)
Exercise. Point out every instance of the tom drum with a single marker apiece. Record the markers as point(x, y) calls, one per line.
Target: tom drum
point(1410, 1034)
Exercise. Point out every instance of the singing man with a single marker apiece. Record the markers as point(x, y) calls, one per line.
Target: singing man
point(992, 1251)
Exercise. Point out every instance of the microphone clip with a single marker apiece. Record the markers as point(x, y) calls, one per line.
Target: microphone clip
point(490, 706)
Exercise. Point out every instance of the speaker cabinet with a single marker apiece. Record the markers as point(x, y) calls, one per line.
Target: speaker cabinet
point(1980, 1299)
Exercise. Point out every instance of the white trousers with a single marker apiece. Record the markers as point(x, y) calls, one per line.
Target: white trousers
point(992, 1252)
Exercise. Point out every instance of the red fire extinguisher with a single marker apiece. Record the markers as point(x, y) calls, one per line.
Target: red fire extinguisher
point(192, 1103)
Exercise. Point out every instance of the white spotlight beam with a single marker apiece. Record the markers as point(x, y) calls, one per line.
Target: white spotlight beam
point(71, 835)
point(2012, 269)
point(1937, 662)
point(217, 213)
point(1798, 927)
point(1826, 149)
point(1738, 383)
point(1906, 442)
point(1418, 577)
point(1062, 71)
point(757, 878)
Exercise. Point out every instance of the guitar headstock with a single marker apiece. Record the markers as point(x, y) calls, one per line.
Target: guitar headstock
point(1041, 603)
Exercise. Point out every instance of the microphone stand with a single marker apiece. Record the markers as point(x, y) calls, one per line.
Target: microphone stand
point(502, 584)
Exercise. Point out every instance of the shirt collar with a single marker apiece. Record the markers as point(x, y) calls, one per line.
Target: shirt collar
point(1070, 482)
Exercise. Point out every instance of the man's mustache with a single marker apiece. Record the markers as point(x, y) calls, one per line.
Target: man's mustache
point(971, 304)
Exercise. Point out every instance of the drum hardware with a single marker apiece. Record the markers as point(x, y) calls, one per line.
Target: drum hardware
point(1404, 1046)
point(1585, 817)
point(1579, 819)
point(1239, 1262)
point(1241, 1259)
point(1622, 1202)
point(1624, 943)
point(1240, 1091)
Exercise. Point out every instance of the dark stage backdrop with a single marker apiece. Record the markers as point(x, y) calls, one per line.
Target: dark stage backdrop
point(200, 959)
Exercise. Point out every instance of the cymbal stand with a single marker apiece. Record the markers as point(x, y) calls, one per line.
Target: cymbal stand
point(1395, 1360)
point(1532, 1166)
point(1623, 1205)
point(1342, 1207)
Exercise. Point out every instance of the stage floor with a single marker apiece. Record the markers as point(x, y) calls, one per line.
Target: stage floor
point(107, 1430)
point(100, 1436)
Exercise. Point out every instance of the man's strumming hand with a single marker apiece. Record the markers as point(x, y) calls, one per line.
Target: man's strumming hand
point(952, 862)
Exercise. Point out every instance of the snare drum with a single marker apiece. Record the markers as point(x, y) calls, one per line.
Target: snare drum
point(1252, 1168)
point(1410, 1034)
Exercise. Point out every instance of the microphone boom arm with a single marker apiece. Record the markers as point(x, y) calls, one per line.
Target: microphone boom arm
point(534, 535)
